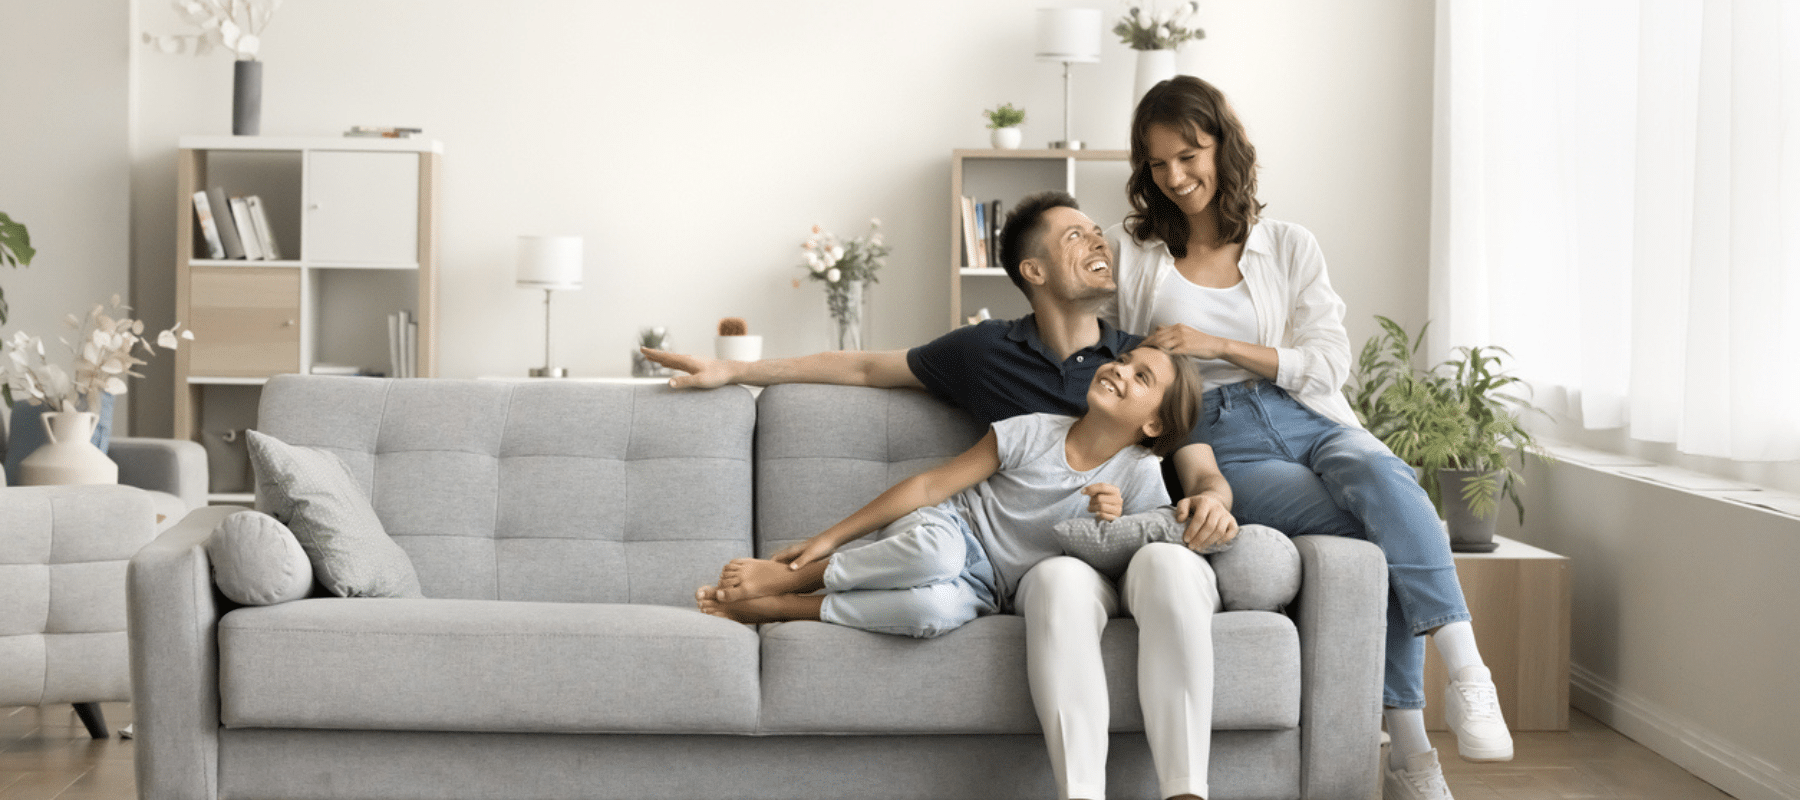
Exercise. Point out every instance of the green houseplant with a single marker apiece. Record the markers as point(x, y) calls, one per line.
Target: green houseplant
point(1004, 120)
point(1461, 423)
point(15, 251)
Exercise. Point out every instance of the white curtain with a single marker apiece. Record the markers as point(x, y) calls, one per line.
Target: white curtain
point(1616, 200)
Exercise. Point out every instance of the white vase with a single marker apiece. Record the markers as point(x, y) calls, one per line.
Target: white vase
point(1006, 138)
point(846, 304)
point(1153, 67)
point(70, 456)
point(747, 347)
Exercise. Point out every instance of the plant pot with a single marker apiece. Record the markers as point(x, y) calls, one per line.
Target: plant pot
point(1153, 67)
point(69, 457)
point(1469, 533)
point(1006, 138)
point(739, 348)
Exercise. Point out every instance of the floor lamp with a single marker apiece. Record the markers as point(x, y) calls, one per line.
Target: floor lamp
point(549, 263)
point(1068, 35)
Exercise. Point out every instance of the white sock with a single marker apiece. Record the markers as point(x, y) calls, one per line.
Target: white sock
point(1406, 735)
point(1456, 643)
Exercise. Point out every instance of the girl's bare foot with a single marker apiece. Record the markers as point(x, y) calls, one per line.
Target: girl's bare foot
point(773, 608)
point(751, 578)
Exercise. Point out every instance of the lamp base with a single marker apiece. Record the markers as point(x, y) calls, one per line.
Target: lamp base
point(549, 372)
point(1075, 144)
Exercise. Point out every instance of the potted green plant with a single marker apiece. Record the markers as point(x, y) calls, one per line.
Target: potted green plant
point(1004, 121)
point(1461, 423)
point(15, 251)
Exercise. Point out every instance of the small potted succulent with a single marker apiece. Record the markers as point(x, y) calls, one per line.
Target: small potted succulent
point(735, 342)
point(656, 338)
point(1004, 121)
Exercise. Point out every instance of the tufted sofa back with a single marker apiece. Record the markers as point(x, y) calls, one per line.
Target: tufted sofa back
point(539, 490)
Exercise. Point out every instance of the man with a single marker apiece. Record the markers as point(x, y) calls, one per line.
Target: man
point(1043, 362)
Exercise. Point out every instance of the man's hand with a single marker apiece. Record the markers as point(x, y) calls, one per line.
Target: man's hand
point(1208, 522)
point(1104, 501)
point(702, 373)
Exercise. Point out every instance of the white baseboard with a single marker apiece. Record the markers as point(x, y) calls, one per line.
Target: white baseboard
point(1717, 761)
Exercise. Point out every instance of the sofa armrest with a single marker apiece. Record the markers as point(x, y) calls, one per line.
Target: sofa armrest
point(175, 466)
point(1341, 613)
point(173, 612)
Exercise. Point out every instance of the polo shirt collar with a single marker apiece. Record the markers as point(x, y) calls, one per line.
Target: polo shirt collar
point(1025, 331)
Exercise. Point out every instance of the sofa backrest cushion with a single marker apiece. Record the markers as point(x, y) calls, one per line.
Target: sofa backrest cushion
point(822, 452)
point(539, 490)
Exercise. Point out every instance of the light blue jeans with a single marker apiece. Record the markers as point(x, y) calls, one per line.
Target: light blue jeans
point(926, 576)
point(1297, 471)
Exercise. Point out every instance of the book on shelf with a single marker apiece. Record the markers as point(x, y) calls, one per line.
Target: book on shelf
point(209, 230)
point(259, 220)
point(968, 231)
point(246, 228)
point(403, 343)
point(993, 231)
point(382, 132)
point(981, 242)
point(228, 233)
point(335, 369)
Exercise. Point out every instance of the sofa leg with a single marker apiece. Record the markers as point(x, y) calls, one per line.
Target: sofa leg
point(92, 718)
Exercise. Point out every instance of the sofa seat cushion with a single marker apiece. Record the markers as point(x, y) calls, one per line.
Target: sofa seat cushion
point(486, 665)
point(821, 678)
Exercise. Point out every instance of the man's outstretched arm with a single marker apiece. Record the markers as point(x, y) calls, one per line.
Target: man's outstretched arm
point(886, 370)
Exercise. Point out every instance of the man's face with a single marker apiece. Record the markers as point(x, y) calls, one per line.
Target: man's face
point(1075, 262)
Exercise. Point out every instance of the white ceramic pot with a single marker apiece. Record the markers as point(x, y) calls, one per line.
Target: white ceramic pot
point(1007, 138)
point(70, 456)
point(739, 348)
point(1153, 67)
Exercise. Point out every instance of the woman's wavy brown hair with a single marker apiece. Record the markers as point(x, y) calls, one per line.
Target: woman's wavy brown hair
point(1187, 104)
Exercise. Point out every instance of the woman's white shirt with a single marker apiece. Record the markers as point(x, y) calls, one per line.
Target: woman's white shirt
point(1220, 312)
point(1297, 311)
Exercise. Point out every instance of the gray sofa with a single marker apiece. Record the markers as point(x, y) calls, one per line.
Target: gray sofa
point(559, 530)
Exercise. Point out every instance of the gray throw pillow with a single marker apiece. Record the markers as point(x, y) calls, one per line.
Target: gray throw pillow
point(256, 560)
point(313, 493)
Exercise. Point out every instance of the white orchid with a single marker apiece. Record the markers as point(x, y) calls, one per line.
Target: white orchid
point(104, 358)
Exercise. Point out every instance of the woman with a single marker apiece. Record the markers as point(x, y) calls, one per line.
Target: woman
point(1249, 299)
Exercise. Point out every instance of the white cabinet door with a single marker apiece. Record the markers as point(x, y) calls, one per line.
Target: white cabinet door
point(362, 208)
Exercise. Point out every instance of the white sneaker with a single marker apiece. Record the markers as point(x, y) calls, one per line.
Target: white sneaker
point(1472, 710)
point(1422, 779)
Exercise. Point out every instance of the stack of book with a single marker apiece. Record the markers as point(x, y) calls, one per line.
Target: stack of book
point(403, 344)
point(981, 233)
point(235, 226)
point(381, 132)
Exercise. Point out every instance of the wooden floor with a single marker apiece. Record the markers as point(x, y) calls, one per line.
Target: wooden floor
point(45, 754)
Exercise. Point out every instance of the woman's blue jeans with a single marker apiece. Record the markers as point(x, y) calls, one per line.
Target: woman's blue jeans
point(1297, 471)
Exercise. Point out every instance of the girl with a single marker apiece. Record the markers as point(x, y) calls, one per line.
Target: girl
point(959, 537)
point(1249, 299)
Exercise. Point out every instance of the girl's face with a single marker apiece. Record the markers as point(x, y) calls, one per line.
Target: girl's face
point(1131, 389)
point(1183, 170)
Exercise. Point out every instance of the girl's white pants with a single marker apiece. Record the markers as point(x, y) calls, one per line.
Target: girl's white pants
point(1173, 594)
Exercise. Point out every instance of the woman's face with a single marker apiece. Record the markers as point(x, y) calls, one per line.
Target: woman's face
point(1184, 171)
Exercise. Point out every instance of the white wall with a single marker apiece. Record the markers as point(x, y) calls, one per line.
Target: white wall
point(694, 146)
point(1686, 621)
point(64, 171)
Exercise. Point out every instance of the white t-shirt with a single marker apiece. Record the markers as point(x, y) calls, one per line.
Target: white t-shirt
point(1013, 510)
point(1220, 312)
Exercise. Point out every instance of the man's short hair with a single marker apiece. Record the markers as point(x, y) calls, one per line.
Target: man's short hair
point(1022, 236)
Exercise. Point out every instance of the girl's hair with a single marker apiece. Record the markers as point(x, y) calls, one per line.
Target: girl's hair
point(1180, 409)
point(1189, 104)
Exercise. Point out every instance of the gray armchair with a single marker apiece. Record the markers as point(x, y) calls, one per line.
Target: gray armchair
point(63, 554)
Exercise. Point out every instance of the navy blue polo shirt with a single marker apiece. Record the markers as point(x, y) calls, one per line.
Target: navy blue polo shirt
point(1000, 368)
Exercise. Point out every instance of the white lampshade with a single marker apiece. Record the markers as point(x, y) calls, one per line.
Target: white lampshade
point(1068, 34)
point(549, 262)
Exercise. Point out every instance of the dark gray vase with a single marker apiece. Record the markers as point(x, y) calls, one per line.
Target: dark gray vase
point(246, 98)
point(1468, 533)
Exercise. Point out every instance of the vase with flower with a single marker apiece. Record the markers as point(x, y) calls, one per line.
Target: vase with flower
point(105, 351)
point(1156, 35)
point(235, 25)
point(846, 267)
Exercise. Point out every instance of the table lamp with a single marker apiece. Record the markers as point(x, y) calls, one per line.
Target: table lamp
point(1068, 35)
point(549, 263)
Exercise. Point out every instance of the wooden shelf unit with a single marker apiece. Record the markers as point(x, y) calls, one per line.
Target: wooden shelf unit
point(356, 221)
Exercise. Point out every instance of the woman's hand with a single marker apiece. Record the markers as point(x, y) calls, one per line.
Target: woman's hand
point(800, 554)
point(1187, 341)
point(1208, 521)
point(1104, 501)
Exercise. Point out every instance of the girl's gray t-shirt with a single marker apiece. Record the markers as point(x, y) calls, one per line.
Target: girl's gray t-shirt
point(1012, 512)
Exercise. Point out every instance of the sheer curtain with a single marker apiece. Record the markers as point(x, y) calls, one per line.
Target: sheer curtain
point(1616, 200)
